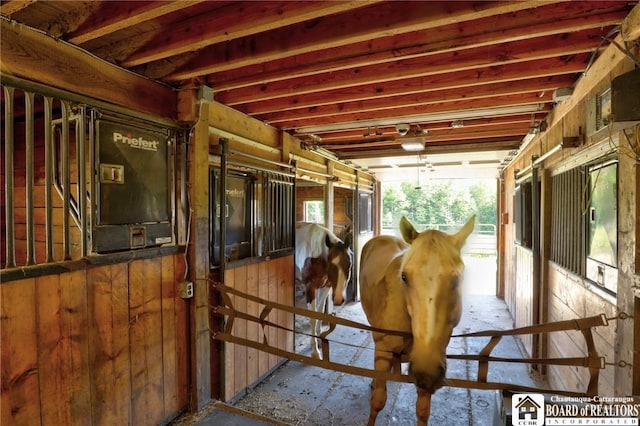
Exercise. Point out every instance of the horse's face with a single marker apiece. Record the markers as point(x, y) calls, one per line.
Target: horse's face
point(431, 274)
point(339, 267)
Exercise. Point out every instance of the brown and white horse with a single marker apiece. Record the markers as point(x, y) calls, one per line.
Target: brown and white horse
point(412, 286)
point(323, 265)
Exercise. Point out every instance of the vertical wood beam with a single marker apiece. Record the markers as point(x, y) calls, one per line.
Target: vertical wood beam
point(535, 248)
point(198, 255)
point(546, 196)
point(329, 198)
point(626, 295)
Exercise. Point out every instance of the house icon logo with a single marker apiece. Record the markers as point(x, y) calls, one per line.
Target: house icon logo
point(527, 409)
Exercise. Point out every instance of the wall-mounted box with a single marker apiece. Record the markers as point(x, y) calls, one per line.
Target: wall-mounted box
point(133, 186)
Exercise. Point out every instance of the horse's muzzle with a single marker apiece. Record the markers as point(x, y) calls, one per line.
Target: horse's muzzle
point(429, 380)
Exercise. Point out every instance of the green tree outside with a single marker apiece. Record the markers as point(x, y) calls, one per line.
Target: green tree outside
point(440, 202)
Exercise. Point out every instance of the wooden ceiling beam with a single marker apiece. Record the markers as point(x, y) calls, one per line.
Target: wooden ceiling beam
point(241, 19)
point(518, 26)
point(121, 15)
point(8, 8)
point(630, 28)
point(401, 103)
point(429, 96)
point(552, 69)
point(385, 132)
point(31, 55)
point(450, 62)
point(386, 19)
point(419, 111)
point(451, 135)
point(493, 144)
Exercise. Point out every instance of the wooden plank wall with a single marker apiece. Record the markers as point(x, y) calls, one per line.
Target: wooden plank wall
point(567, 295)
point(570, 297)
point(271, 280)
point(98, 346)
point(523, 315)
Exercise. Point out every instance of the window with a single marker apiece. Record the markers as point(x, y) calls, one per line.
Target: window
point(602, 230)
point(523, 214)
point(584, 224)
point(314, 211)
point(365, 224)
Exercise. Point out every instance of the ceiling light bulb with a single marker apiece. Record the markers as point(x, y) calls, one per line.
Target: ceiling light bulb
point(413, 144)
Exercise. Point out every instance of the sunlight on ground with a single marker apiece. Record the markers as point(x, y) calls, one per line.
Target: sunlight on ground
point(479, 275)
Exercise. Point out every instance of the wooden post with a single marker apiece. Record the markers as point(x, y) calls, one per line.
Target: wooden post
point(198, 255)
point(545, 251)
point(329, 198)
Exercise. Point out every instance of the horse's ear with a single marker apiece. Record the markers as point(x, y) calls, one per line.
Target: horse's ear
point(327, 241)
point(407, 230)
point(461, 237)
point(348, 240)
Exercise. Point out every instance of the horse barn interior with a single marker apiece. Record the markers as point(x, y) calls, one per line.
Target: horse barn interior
point(123, 123)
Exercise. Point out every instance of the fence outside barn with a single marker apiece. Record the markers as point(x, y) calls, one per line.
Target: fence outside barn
point(483, 240)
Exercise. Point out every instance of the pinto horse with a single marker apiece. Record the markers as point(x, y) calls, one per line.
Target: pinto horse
point(323, 265)
point(412, 286)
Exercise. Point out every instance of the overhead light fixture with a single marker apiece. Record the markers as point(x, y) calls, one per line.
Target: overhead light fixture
point(457, 124)
point(412, 144)
point(403, 128)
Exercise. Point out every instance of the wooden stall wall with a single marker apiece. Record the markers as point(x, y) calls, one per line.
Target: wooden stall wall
point(571, 297)
point(258, 145)
point(525, 313)
point(103, 345)
point(566, 295)
point(270, 280)
point(508, 251)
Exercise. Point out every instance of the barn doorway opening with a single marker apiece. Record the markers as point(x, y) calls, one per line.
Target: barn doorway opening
point(446, 204)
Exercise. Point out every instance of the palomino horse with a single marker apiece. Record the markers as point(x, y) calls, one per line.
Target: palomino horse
point(412, 286)
point(323, 265)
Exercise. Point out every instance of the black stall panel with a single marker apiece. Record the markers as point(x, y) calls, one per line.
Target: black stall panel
point(133, 183)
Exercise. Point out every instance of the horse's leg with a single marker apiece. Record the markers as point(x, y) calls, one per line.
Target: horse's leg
point(328, 305)
point(383, 362)
point(313, 306)
point(317, 305)
point(423, 407)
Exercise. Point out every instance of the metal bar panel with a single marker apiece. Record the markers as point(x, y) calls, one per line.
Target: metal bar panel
point(583, 223)
point(579, 235)
point(66, 182)
point(92, 207)
point(565, 212)
point(29, 99)
point(9, 183)
point(81, 165)
point(48, 178)
point(223, 203)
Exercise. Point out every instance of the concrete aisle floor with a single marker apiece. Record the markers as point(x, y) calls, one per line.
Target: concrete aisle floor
point(298, 394)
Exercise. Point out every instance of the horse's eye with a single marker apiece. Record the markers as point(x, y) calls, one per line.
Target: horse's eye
point(404, 277)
